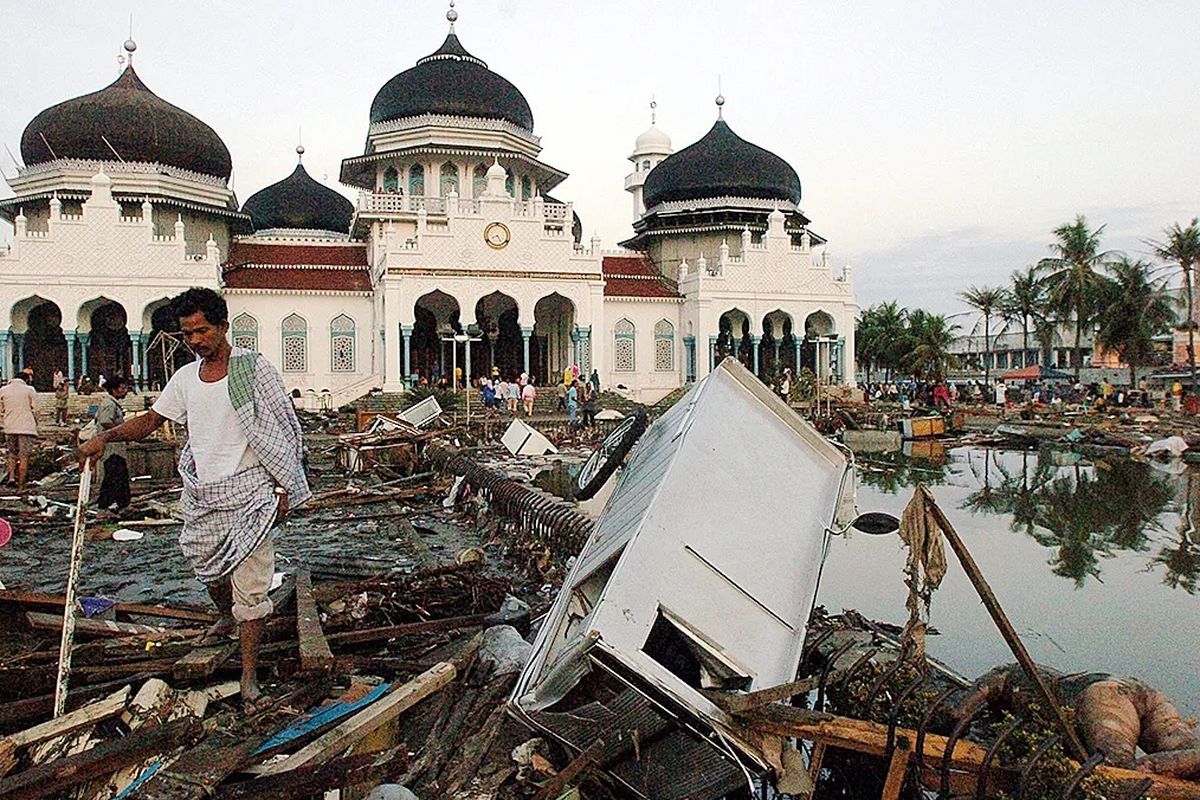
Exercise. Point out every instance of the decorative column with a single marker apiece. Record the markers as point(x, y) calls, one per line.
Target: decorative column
point(20, 339)
point(144, 340)
point(5, 356)
point(526, 332)
point(755, 340)
point(689, 355)
point(84, 338)
point(712, 353)
point(777, 343)
point(586, 344)
point(406, 332)
point(796, 362)
point(575, 359)
point(71, 355)
point(839, 350)
point(737, 348)
point(135, 341)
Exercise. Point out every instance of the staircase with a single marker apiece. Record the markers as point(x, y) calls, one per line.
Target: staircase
point(80, 407)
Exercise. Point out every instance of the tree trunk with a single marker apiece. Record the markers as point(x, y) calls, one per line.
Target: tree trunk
point(1132, 376)
point(987, 350)
point(1078, 349)
point(1191, 345)
point(1024, 341)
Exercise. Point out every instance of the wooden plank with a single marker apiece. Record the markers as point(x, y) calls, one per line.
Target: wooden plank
point(315, 655)
point(102, 759)
point(79, 718)
point(407, 629)
point(315, 778)
point(871, 738)
point(202, 662)
point(383, 711)
point(58, 600)
point(736, 703)
point(40, 707)
point(897, 769)
point(88, 627)
point(554, 787)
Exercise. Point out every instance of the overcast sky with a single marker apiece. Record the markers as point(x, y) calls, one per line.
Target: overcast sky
point(938, 143)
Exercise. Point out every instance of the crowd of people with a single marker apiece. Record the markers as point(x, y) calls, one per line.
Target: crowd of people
point(943, 394)
point(575, 394)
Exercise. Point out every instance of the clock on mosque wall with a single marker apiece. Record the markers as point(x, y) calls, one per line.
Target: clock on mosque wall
point(497, 235)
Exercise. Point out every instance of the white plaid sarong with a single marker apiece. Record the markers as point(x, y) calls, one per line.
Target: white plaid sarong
point(225, 520)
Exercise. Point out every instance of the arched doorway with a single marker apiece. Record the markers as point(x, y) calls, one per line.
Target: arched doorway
point(777, 349)
point(108, 348)
point(817, 350)
point(163, 353)
point(38, 340)
point(503, 346)
point(733, 337)
point(553, 324)
point(437, 317)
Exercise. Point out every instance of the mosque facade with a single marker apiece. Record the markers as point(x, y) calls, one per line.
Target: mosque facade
point(123, 201)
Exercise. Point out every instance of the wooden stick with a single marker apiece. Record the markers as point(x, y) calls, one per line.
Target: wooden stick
point(368, 719)
point(897, 769)
point(577, 766)
point(68, 628)
point(1006, 629)
point(58, 601)
point(406, 629)
point(91, 627)
point(93, 712)
point(315, 655)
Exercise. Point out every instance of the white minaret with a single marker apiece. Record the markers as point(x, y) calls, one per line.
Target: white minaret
point(651, 147)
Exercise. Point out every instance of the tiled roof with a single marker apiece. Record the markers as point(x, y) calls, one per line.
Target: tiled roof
point(635, 276)
point(309, 255)
point(327, 279)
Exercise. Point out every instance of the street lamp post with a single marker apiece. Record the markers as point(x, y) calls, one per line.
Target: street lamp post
point(471, 335)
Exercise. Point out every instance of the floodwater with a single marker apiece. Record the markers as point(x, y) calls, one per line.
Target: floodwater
point(1096, 564)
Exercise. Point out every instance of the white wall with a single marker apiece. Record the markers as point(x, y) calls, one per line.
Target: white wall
point(645, 383)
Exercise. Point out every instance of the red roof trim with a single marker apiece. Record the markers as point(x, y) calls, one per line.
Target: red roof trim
point(635, 276)
point(333, 255)
point(299, 279)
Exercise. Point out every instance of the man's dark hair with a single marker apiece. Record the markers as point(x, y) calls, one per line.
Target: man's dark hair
point(206, 301)
point(114, 383)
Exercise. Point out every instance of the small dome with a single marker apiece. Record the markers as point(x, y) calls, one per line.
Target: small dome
point(652, 141)
point(300, 203)
point(721, 164)
point(139, 125)
point(454, 82)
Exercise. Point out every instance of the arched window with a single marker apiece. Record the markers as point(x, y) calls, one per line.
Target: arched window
point(479, 181)
point(623, 337)
point(526, 188)
point(664, 346)
point(646, 165)
point(341, 344)
point(391, 180)
point(416, 180)
point(295, 343)
point(449, 179)
point(245, 332)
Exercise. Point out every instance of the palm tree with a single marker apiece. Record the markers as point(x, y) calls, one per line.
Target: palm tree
point(1136, 307)
point(931, 337)
point(1182, 247)
point(1073, 286)
point(1024, 302)
point(987, 300)
point(892, 328)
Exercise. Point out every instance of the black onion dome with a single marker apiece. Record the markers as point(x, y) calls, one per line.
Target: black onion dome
point(451, 81)
point(299, 202)
point(721, 164)
point(139, 125)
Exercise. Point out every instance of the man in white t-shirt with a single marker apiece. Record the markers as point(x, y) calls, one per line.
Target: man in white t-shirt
point(241, 466)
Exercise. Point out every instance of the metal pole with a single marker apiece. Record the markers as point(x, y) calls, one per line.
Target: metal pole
point(1006, 629)
point(68, 629)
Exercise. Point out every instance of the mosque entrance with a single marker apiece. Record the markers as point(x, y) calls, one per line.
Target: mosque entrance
point(777, 350)
point(733, 338)
point(503, 347)
point(553, 323)
point(437, 318)
point(109, 351)
point(818, 327)
point(39, 341)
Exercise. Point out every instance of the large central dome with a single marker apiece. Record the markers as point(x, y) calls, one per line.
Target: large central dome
point(300, 203)
point(454, 82)
point(719, 165)
point(137, 124)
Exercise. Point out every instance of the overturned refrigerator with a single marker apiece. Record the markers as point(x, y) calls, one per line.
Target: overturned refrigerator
point(700, 575)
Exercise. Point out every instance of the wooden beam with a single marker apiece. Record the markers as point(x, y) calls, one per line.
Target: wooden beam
point(88, 627)
point(202, 662)
point(379, 713)
point(871, 738)
point(81, 717)
point(315, 778)
point(407, 629)
point(897, 769)
point(576, 767)
point(58, 601)
point(315, 655)
point(103, 759)
point(736, 703)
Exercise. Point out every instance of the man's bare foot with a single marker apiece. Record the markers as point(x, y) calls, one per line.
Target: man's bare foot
point(220, 632)
point(253, 700)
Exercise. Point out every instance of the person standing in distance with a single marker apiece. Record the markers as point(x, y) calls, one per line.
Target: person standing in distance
point(242, 468)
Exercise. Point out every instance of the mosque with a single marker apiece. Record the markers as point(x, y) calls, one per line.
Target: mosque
point(454, 252)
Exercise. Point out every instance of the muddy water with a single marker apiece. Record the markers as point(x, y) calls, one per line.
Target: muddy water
point(1097, 565)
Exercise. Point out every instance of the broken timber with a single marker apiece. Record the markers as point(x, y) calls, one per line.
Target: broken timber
point(88, 627)
point(315, 655)
point(871, 738)
point(141, 609)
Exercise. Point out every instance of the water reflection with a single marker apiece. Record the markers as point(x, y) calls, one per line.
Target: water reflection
point(1084, 513)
